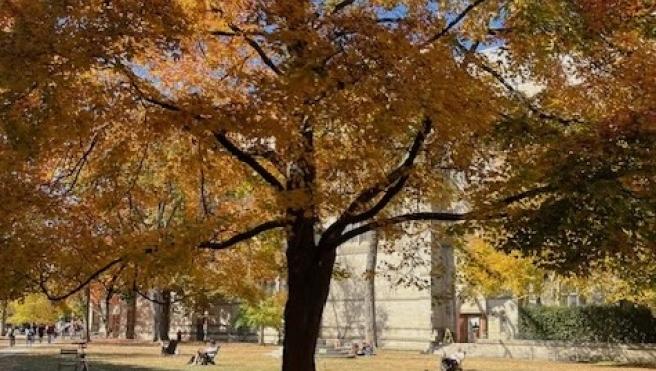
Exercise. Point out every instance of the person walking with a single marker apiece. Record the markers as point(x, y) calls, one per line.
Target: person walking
point(12, 336)
point(50, 330)
point(29, 336)
point(41, 330)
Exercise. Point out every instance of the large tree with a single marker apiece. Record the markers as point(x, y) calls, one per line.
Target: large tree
point(338, 113)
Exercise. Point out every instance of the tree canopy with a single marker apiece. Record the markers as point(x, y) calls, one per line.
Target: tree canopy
point(162, 130)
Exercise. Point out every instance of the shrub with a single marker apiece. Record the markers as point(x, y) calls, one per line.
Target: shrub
point(594, 323)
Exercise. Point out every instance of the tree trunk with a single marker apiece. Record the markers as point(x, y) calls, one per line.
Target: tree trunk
point(131, 316)
point(107, 314)
point(165, 321)
point(260, 339)
point(3, 317)
point(371, 334)
point(200, 329)
point(87, 314)
point(157, 314)
point(309, 273)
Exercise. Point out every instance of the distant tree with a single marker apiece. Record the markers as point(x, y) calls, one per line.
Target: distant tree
point(266, 313)
point(484, 271)
point(34, 308)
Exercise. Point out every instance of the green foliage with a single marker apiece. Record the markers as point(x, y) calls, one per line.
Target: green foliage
point(266, 313)
point(595, 323)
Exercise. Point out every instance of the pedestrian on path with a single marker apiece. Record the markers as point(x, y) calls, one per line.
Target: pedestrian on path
point(50, 330)
point(41, 330)
point(29, 336)
point(12, 336)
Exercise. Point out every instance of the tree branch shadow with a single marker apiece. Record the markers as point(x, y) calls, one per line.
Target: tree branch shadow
point(42, 362)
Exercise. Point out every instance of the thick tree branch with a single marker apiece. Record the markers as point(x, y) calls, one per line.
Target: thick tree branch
point(96, 274)
point(248, 159)
point(485, 214)
point(395, 175)
point(236, 31)
point(159, 302)
point(527, 194)
point(527, 102)
point(263, 55)
point(391, 185)
point(399, 219)
point(267, 153)
point(342, 5)
point(221, 137)
point(264, 227)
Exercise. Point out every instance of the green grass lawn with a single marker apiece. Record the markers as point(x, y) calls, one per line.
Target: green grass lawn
point(248, 357)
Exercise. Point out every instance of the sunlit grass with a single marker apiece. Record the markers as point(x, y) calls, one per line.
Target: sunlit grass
point(243, 357)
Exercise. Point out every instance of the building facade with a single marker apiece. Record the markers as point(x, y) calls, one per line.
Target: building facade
point(416, 303)
point(216, 322)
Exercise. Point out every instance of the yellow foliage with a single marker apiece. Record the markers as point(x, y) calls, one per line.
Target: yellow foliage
point(35, 308)
point(483, 270)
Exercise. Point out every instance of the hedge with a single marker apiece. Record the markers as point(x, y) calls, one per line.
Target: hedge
point(593, 323)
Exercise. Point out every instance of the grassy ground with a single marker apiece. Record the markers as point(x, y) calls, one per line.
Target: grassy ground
point(243, 357)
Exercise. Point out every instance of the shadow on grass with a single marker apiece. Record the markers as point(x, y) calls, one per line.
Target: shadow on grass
point(41, 362)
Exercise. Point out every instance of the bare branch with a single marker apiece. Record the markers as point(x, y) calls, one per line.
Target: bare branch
point(78, 167)
point(396, 187)
point(396, 174)
point(453, 22)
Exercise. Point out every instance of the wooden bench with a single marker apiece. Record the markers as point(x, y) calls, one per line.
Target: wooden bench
point(68, 358)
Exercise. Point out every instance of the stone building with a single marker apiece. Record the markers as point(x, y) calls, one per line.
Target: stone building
point(416, 304)
point(216, 322)
point(413, 305)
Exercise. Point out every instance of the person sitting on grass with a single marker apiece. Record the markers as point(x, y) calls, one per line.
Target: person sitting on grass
point(203, 353)
point(366, 350)
point(169, 348)
point(454, 361)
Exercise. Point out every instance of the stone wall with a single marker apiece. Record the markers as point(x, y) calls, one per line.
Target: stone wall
point(502, 318)
point(557, 351)
point(408, 314)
